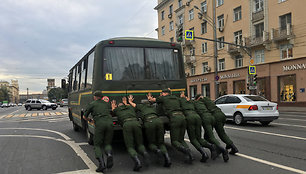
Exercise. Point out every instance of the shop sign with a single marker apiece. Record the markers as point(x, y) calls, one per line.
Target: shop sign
point(199, 80)
point(301, 66)
point(229, 76)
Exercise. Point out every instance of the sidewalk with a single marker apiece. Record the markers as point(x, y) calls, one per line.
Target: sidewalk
point(292, 109)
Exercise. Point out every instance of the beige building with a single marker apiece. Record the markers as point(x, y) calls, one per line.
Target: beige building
point(273, 32)
point(13, 89)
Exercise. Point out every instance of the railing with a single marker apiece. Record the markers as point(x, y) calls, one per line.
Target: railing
point(279, 34)
point(255, 40)
point(257, 16)
point(190, 59)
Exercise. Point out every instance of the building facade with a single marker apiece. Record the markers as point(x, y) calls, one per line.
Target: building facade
point(272, 38)
point(13, 89)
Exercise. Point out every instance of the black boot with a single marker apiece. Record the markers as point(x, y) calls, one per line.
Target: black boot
point(167, 160)
point(109, 159)
point(204, 155)
point(233, 149)
point(187, 152)
point(213, 151)
point(224, 152)
point(146, 158)
point(101, 167)
point(137, 162)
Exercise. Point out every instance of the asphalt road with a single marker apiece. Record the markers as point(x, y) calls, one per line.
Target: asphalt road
point(39, 142)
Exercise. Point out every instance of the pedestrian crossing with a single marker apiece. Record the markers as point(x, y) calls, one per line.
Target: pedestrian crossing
point(33, 115)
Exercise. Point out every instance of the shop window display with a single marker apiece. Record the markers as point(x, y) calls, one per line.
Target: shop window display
point(239, 87)
point(261, 87)
point(287, 86)
point(222, 89)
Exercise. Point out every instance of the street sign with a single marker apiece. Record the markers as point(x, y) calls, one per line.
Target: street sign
point(252, 87)
point(189, 35)
point(252, 61)
point(252, 69)
point(217, 78)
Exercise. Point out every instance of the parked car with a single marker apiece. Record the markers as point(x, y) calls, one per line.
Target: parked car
point(39, 104)
point(5, 105)
point(64, 102)
point(242, 108)
point(19, 104)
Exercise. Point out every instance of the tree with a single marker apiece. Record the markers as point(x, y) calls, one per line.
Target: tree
point(4, 94)
point(57, 94)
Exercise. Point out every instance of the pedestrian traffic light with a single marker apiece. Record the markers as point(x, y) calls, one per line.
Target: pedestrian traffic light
point(255, 79)
point(63, 84)
point(179, 34)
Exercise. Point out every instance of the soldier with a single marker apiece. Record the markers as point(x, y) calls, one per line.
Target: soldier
point(177, 121)
point(208, 121)
point(194, 131)
point(100, 111)
point(220, 120)
point(154, 128)
point(132, 131)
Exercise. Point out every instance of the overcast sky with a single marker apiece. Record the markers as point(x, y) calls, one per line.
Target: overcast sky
point(42, 39)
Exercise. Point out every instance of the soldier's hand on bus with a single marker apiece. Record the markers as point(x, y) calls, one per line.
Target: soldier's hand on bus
point(182, 94)
point(124, 101)
point(131, 98)
point(113, 104)
point(85, 118)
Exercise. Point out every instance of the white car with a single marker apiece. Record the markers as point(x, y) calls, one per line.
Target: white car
point(242, 108)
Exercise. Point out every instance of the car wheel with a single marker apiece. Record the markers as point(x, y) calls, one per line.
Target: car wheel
point(265, 123)
point(53, 108)
point(44, 107)
point(29, 108)
point(238, 119)
point(75, 127)
point(89, 136)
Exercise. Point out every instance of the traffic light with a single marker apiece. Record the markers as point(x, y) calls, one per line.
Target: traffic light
point(255, 79)
point(63, 84)
point(179, 34)
point(248, 86)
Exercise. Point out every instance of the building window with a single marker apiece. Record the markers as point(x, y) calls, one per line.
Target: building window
point(191, 14)
point(221, 65)
point(180, 17)
point(259, 56)
point(284, 21)
point(222, 89)
point(259, 29)
point(170, 9)
point(171, 26)
point(237, 13)
point(258, 5)
point(286, 51)
point(238, 37)
point(171, 39)
point(280, 1)
point(162, 15)
point(220, 2)
point(221, 21)
point(192, 51)
point(204, 47)
point(193, 91)
point(163, 30)
point(204, 27)
point(287, 86)
point(192, 70)
point(206, 90)
point(238, 61)
point(180, 3)
point(205, 67)
point(204, 7)
point(220, 43)
point(239, 87)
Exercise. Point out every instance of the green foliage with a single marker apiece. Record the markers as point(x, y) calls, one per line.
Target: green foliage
point(57, 94)
point(4, 94)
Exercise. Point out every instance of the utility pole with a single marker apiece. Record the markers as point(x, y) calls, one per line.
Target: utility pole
point(27, 93)
point(215, 50)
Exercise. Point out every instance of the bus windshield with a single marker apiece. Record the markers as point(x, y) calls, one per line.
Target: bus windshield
point(132, 63)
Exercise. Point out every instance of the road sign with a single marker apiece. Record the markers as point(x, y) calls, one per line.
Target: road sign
point(252, 61)
point(217, 78)
point(108, 76)
point(189, 35)
point(252, 69)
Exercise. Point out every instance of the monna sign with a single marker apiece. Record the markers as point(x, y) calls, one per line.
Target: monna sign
point(301, 66)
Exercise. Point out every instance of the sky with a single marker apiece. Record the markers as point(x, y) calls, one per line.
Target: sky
point(41, 39)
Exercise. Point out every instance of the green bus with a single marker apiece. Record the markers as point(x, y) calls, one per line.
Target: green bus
point(122, 66)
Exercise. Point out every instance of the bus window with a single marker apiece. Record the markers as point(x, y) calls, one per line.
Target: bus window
point(162, 64)
point(90, 64)
point(73, 79)
point(124, 63)
point(83, 73)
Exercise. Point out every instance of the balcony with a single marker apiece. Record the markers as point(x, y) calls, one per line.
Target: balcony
point(257, 16)
point(233, 49)
point(188, 43)
point(190, 60)
point(278, 34)
point(254, 41)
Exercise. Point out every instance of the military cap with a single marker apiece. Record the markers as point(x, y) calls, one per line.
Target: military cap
point(197, 96)
point(166, 90)
point(98, 94)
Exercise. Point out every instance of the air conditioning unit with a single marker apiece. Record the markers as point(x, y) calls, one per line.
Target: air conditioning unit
point(208, 69)
point(192, 59)
point(170, 16)
point(221, 29)
point(187, 74)
point(188, 3)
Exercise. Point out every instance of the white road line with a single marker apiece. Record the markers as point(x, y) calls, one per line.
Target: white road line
point(282, 116)
point(88, 171)
point(292, 125)
point(271, 164)
point(267, 133)
point(82, 144)
point(291, 119)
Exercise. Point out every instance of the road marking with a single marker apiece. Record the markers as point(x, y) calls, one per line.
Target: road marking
point(291, 119)
point(41, 114)
point(29, 115)
point(293, 125)
point(64, 113)
point(293, 116)
point(52, 113)
point(272, 164)
point(22, 115)
point(267, 133)
point(87, 171)
point(9, 116)
point(82, 144)
point(34, 115)
point(47, 114)
point(58, 113)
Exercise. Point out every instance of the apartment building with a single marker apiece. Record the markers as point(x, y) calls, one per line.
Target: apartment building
point(13, 89)
point(272, 34)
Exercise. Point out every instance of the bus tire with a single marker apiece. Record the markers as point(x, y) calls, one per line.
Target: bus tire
point(89, 136)
point(76, 128)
